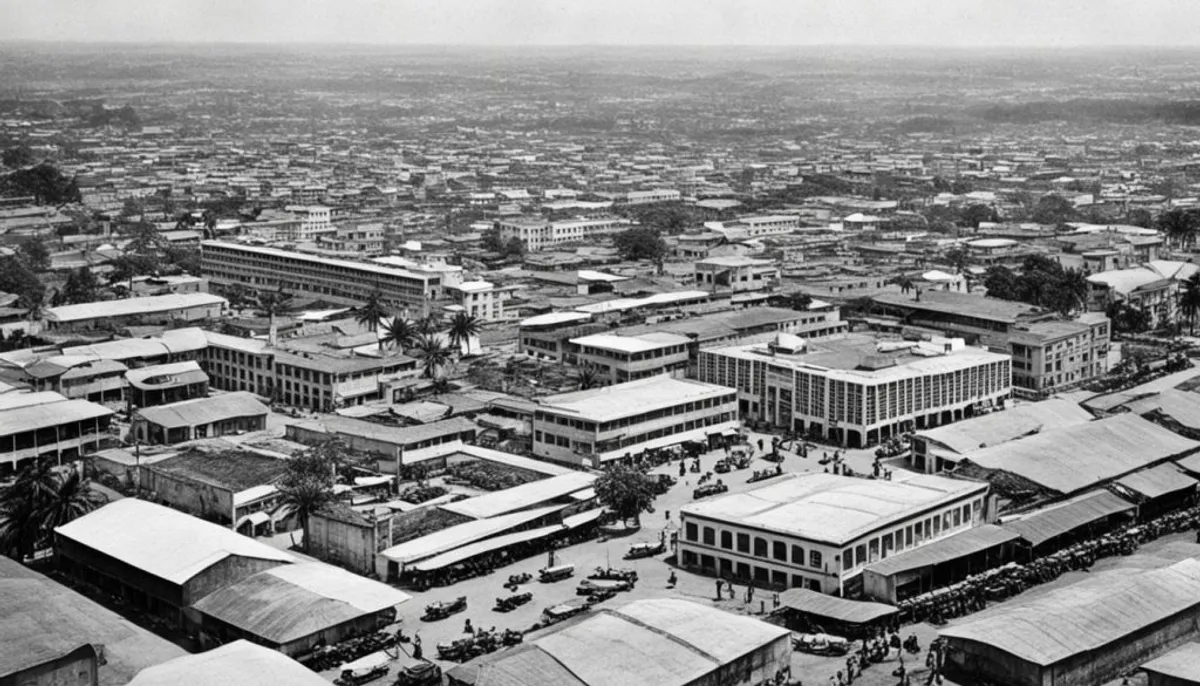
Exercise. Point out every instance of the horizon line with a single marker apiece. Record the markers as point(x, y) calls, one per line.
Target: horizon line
point(762, 46)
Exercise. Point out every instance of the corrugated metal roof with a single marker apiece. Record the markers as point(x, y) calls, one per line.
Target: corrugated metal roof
point(204, 410)
point(1181, 663)
point(1182, 406)
point(1043, 525)
point(1158, 481)
point(137, 533)
point(999, 427)
point(462, 534)
point(1072, 459)
point(34, 417)
point(485, 546)
point(166, 375)
point(240, 663)
point(132, 306)
point(947, 549)
point(1085, 616)
point(520, 497)
point(840, 609)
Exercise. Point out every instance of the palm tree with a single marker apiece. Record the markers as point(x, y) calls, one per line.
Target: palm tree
point(588, 377)
point(463, 327)
point(399, 332)
point(429, 324)
point(372, 312)
point(1189, 300)
point(1179, 225)
point(72, 498)
point(274, 302)
point(19, 526)
point(39, 501)
point(433, 354)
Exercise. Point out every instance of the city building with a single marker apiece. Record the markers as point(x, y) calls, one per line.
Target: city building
point(48, 425)
point(230, 413)
point(314, 221)
point(648, 197)
point(395, 445)
point(662, 642)
point(537, 234)
point(168, 309)
point(342, 282)
point(617, 358)
point(1130, 615)
point(737, 275)
point(818, 531)
point(357, 240)
point(78, 377)
point(1153, 289)
point(1180, 667)
point(484, 300)
point(857, 389)
point(53, 635)
point(755, 226)
point(240, 663)
point(595, 426)
point(166, 383)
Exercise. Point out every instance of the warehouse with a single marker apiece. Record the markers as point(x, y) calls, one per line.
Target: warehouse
point(1180, 667)
point(1084, 634)
point(644, 643)
point(810, 611)
point(154, 309)
point(240, 663)
point(1057, 526)
point(818, 531)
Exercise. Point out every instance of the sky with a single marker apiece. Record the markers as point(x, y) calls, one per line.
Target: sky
point(950, 23)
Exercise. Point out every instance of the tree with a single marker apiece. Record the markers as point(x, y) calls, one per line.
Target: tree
point(429, 324)
point(1179, 226)
point(640, 243)
point(307, 483)
point(974, 214)
point(81, 287)
point(44, 182)
point(19, 156)
point(588, 377)
point(372, 312)
point(34, 253)
point(957, 258)
point(42, 498)
point(399, 332)
point(514, 247)
point(433, 354)
point(463, 327)
point(1053, 209)
point(239, 296)
point(625, 491)
point(273, 303)
point(1189, 301)
point(1000, 282)
point(16, 278)
point(71, 498)
point(1126, 318)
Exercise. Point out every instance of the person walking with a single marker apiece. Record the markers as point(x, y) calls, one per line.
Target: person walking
point(719, 585)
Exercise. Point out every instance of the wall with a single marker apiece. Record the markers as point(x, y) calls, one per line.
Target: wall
point(224, 573)
point(206, 501)
point(77, 668)
point(759, 666)
point(348, 545)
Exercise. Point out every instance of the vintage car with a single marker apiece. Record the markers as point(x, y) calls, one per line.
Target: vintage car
point(363, 670)
point(445, 608)
point(592, 586)
point(820, 644)
point(614, 573)
point(638, 550)
point(556, 613)
point(418, 673)
point(556, 573)
point(709, 489)
point(512, 602)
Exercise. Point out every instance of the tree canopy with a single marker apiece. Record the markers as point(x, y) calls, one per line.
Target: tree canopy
point(641, 243)
point(44, 182)
point(1041, 281)
point(625, 491)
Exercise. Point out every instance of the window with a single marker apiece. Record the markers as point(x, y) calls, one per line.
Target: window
point(690, 533)
point(709, 535)
point(726, 540)
point(780, 551)
point(743, 543)
point(797, 555)
point(814, 559)
point(760, 546)
point(860, 555)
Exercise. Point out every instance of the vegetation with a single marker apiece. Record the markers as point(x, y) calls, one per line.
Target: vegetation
point(372, 312)
point(625, 491)
point(1189, 301)
point(399, 332)
point(1127, 318)
point(463, 327)
point(81, 287)
point(641, 243)
point(1041, 281)
point(433, 353)
point(307, 484)
point(42, 498)
point(44, 182)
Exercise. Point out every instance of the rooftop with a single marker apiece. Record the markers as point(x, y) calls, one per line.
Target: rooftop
point(233, 470)
point(964, 304)
point(631, 398)
point(204, 410)
point(521, 497)
point(44, 415)
point(240, 663)
point(136, 532)
point(832, 508)
point(132, 306)
point(1183, 663)
point(167, 375)
point(999, 427)
point(347, 265)
point(631, 344)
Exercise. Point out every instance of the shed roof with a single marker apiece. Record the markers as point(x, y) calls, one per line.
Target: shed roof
point(631, 398)
point(1043, 525)
point(41, 416)
point(832, 607)
point(1156, 482)
point(1086, 616)
point(44, 620)
point(240, 663)
point(171, 375)
point(1182, 663)
point(136, 533)
point(1182, 406)
point(132, 306)
point(462, 534)
point(287, 603)
point(1073, 458)
point(202, 411)
point(947, 549)
point(520, 497)
point(999, 427)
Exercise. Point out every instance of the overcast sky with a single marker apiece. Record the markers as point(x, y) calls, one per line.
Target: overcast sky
point(960, 23)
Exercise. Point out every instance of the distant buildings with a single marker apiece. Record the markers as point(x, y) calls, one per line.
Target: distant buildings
point(648, 197)
point(594, 426)
point(858, 390)
point(746, 278)
point(155, 309)
point(539, 234)
point(818, 531)
point(483, 299)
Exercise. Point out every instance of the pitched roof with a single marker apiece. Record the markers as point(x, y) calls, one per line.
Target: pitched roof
point(204, 410)
point(832, 607)
point(999, 427)
point(240, 663)
point(1086, 616)
point(955, 547)
point(137, 532)
point(1042, 525)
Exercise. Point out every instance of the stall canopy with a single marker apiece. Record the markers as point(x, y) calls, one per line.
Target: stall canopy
point(1159, 481)
point(834, 608)
point(483, 547)
point(949, 549)
point(1042, 526)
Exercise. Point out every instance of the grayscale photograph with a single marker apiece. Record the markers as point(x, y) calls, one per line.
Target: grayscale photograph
point(608, 343)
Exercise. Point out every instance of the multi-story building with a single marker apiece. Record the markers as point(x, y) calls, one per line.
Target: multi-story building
point(649, 197)
point(538, 234)
point(818, 531)
point(1144, 288)
point(548, 336)
point(359, 240)
point(857, 389)
point(619, 358)
point(737, 275)
point(314, 221)
point(1077, 349)
point(47, 425)
point(333, 280)
point(755, 226)
point(598, 425)
point(484, 300)
point(166, 383)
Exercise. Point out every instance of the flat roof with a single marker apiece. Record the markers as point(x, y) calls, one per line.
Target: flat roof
point(327, 261)
point(1086, 616)
point(966, 305)
point(44, 620)
point(832, 508)
point(521, 497)
point(631, 344)
point(136, 532)
point(630, 398)
point(204, 410)
point(132, 306)
point(240, 663)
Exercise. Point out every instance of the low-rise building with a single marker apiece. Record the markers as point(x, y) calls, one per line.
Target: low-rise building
point(818, 531)
point(170, 309)
point(484, 300)
point(537, 233)
point(618, 358)
point(47, 425)
point(240, 663)
point(737, 275)
point(595, 426)
point(394, 444)
point(166, 383)
point(188, 420)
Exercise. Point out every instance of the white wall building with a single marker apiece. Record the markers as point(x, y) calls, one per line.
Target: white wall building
point(538, 234)
point(627, 358)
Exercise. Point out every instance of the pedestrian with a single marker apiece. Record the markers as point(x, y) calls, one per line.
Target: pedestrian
point(417, 650)
point(775, 600)
point(467, 628)
point(760, 444)
point(667, 515)
point(719, 585)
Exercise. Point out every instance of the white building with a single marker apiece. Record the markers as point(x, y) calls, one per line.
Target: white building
point(538, 234)
point(817, 531)
point(594, 426)
point(857, 389)
point(650, 196)
point(627, 358)
point(483, 299)
point(755, 226)
point(314, 221)
point(153, 309)
point(737, 275)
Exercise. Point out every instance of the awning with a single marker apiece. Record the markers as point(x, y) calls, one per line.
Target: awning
point(832, 607)
point(586, 517)
point(1042, 526)
point(482, 547)
point(255, 518)
point(1156, 482)
point(948, 549)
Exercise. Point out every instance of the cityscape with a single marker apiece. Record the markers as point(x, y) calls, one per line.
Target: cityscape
point(597, 364)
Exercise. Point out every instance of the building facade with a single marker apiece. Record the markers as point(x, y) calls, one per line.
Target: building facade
point(618, 359)
point(539, 234)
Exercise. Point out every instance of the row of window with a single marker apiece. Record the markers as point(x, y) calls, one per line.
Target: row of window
point(588, 447)
point(585, 425)
point(756, 546)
